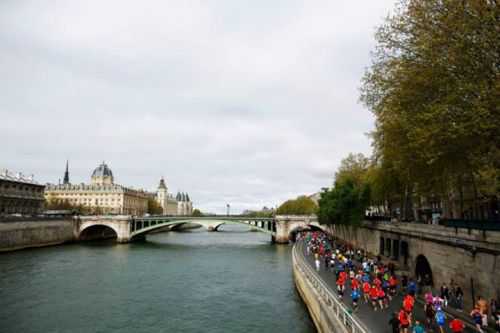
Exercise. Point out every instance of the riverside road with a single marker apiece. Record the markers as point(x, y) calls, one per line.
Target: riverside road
point(375, 321)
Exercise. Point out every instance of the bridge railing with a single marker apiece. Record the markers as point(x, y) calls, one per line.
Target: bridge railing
point(339, 310)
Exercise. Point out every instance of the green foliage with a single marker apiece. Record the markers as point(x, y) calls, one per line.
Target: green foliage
point(154, 207)
point(301, 206)
point(347, 200)
point(260, 213)
point(58, 204)
point(197, 213)
point(434, 89)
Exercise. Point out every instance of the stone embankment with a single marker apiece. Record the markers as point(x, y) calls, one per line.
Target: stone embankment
point(327, 312)
point(468, 257)
point(25, 234)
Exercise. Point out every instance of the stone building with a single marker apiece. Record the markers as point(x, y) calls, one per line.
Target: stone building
point(166, 200)
point(101, 196)
point(20, 194)
point(184, 204)
point(179, 205)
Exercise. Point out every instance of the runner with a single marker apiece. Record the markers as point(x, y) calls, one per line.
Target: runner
point(412, 287)
point(340, 286)
point(440, 319)
point(418, 328)
point(408, 303)
point(429, 314)
point(393, 283)
point(374, 296)
point(355, 298)
point(428, 298)
point(377, 282)
point(437, 302)
point(354, 284)
point(316, 261)
point(477, 318)
point(394, 322)
point(385, 287)
point(457, 326)
point(332, 262)
point(382, 301)
point(366, 291)
point(404, 321)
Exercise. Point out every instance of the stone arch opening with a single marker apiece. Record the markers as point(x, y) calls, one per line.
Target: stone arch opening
point(423, 271)
point(218, 226)
point(98, 231)
point(404, 252)
point(186, 226)
point(292, 235)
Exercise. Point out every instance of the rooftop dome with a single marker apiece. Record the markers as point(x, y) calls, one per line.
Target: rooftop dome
point(102, 175)
point(102, 170)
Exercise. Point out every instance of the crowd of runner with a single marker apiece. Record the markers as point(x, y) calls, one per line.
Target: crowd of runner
point(376, 284)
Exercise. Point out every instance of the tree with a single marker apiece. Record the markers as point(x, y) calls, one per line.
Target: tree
point(347, 200)
point(434, 89)
point(197, 213)
point(303, 205)
point(53, 203)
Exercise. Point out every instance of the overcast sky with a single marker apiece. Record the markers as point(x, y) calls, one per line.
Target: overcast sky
point(241, 102)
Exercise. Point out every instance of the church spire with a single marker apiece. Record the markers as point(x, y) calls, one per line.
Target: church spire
point(66, 174)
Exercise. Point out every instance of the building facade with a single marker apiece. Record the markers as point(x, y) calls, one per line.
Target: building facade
point(101, 196)
point(184, 204)
point(179, 205)
point(20, 194)
point(165, 199)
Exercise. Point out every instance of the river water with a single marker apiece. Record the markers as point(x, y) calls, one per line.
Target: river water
point(196, 281)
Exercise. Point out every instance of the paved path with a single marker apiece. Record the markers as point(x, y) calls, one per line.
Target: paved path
point(376, 321)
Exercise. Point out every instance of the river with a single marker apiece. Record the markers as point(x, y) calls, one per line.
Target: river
point(195, 281)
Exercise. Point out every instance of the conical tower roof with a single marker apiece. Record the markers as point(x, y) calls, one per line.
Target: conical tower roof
point(162, 185)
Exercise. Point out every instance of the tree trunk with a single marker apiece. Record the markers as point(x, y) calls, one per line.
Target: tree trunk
point(461, 189)
point(475, 202)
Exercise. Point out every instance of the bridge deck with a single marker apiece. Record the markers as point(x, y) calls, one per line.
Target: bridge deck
point(376, 321)
point(146, 224)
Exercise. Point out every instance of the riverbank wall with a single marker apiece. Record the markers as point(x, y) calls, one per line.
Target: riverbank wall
point(327, 313)
point(26, 234)
point(468, 257)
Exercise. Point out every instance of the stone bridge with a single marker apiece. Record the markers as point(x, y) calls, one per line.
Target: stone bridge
point(127, 228)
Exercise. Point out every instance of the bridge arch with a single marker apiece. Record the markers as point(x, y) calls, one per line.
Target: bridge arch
point(178, 227)
point(292, 234)
point(209, 225)
point(97, 231)
point(423, 271)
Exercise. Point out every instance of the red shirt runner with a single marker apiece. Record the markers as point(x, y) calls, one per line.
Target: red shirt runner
point(457, 326)
point(403, 318)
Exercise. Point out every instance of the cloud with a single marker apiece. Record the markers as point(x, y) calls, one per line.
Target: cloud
point(247, 103)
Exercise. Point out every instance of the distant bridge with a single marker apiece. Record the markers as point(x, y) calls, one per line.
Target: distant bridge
point(128, 228)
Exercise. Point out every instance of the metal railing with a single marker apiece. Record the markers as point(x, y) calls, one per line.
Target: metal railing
point(490, 225)
point(338, 309)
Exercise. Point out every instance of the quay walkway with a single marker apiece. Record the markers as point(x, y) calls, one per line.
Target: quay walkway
point(374, 321)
